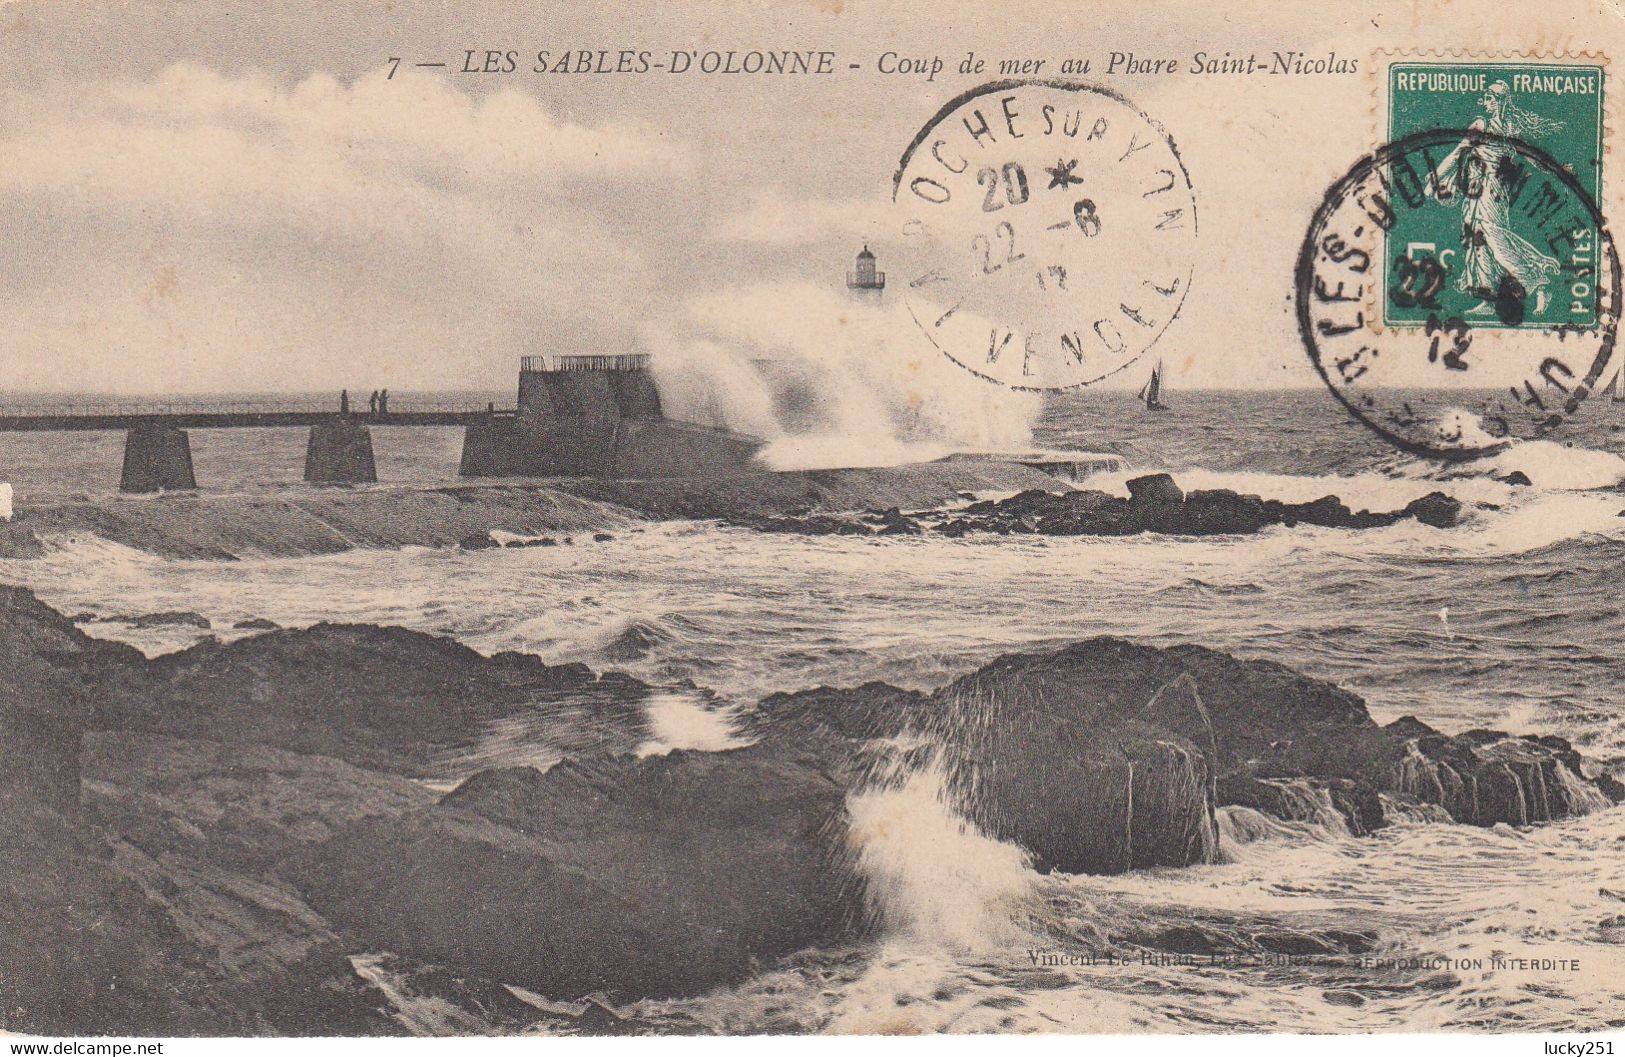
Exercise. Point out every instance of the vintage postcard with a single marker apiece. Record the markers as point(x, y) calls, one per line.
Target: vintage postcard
point(802, 517)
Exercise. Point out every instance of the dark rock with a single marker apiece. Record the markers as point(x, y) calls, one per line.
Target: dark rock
point(1156, 505)
point(1084, 800)
point(1610, 787)
point(1328, 512)
point(602, 537)
point(1155, 488)
point(1061, 729)
point(257, 624)
point(477, 541)
point(48, 665)
point(1083, 789)
point(717, 861)
point(1178, 707)
point(1435, 509)
point(386, 698)
point(539, 541)
point(176, 618)
point(1517, 477)
point(1218, 511)
point(1411, 727)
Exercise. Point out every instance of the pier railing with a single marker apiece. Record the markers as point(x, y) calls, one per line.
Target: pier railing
point(246, 408)
point(625, 361)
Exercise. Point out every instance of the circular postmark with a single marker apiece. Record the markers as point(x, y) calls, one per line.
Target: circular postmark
point(1515, 237)
point(1049, 232)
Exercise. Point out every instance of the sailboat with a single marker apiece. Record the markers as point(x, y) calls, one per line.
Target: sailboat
point(1152, 393)
point(1618, 386)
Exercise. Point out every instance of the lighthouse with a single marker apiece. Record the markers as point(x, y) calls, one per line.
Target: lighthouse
point(864, 282)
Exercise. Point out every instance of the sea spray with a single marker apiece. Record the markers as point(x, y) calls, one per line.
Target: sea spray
point(827, 381)
point(1549, 464)
point(933, 878)
point(682, 721)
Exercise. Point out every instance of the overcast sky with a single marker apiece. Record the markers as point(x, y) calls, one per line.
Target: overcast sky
point(233, 197)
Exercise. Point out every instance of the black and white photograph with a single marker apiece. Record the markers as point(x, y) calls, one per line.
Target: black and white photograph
point(811, 518)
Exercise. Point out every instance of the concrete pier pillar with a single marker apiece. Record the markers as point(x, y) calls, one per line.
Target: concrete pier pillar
point(157, 457)
point(490, 448)
point(339, 452)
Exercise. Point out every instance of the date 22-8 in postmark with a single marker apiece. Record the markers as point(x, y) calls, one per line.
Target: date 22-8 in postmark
point(1459, 288)
point(1049, 232)
point(1482, 254)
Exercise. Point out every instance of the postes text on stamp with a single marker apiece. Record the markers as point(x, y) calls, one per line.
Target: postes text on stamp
point(1478, 248)
point(1464, 384)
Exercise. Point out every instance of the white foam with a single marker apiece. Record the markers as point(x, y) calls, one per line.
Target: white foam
point(870, 392)
point(934, 879)
point(1549, 464)
point(681, 721)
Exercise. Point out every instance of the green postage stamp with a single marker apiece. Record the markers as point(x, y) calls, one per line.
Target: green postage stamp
point(1481, 249)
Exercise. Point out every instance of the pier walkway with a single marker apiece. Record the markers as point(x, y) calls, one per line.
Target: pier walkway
point(158, 454)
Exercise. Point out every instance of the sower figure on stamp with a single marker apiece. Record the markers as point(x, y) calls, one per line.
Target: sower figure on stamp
point(1496, 262)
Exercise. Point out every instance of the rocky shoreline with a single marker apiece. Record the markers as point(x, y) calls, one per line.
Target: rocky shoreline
point(858, 502)
point(227, 840)
point(307, 521)
point(1155, 504)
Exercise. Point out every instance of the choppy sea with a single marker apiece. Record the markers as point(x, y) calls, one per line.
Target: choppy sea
point(1512, 620)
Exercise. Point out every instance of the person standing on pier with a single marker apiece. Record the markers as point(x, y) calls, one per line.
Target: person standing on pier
point(383, 402)
point(372, 404)
point(344, 401)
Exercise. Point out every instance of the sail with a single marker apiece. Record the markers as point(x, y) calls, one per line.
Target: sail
point(1619, 385)
point(1153, 388)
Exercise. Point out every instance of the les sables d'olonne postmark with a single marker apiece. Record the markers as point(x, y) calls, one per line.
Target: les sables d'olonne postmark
point(1477, 223)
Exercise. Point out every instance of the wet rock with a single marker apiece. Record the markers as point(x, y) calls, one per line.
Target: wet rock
point(1328, 512)
point(539, 541)
point(1155, 488)
point(1435, 509)
point(556, 882)
point(385, 698)
point(1156, 504)
point(1083, 801)
point(1040, 746)
point(170, 619)
point(1217, 511)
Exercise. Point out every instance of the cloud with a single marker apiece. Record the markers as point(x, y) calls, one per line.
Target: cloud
point(203, 230)
point(774, 219)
